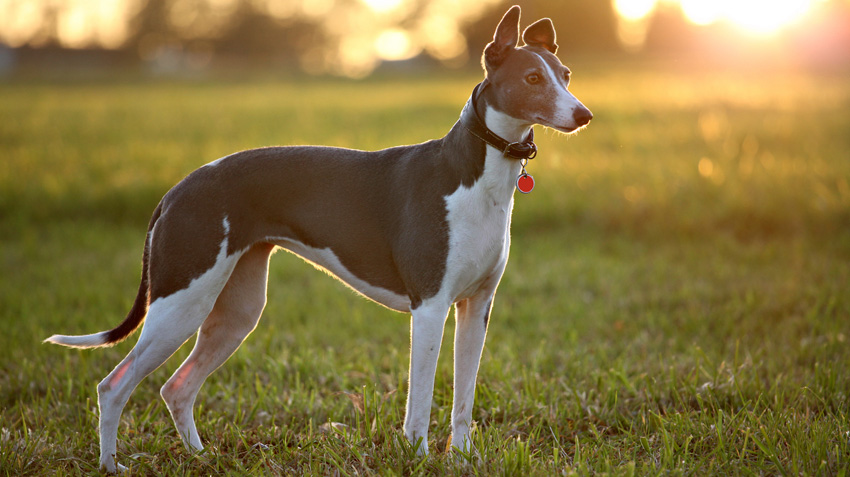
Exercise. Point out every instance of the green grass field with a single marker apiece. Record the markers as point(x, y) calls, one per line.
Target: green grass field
point(676, 302)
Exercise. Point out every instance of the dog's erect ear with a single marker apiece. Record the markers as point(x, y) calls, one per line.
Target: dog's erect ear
point(541, 33)
point(504, 40)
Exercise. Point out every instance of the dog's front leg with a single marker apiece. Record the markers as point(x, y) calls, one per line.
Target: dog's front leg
point(426, 335)
point(471, 317)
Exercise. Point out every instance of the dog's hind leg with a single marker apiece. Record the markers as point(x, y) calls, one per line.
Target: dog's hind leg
point(171, 320)
point(236, 313)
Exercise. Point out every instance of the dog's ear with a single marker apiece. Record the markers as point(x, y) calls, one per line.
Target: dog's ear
point(504, 40)
point(541, 33)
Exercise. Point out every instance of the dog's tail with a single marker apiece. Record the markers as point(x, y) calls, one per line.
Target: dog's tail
point(134, 318)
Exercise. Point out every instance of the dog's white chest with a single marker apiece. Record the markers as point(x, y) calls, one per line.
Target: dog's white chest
point(479, 231)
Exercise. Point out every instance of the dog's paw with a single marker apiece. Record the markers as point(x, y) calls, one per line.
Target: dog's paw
point(114, 467)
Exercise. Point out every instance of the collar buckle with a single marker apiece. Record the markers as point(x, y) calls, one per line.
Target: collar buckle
point(522, 150)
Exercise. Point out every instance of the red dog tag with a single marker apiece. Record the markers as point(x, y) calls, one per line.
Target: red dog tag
point(525, 183)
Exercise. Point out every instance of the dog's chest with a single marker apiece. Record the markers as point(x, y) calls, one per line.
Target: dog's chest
point(479, 232)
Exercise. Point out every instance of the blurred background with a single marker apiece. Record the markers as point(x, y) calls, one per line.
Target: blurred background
point(354, 38)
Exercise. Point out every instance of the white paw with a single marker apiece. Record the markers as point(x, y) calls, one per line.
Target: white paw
point(113, 467)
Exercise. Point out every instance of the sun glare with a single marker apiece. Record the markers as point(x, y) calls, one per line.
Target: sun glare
point(757, 16)
point(765, 16)
point(700, 12)
point(634, 9)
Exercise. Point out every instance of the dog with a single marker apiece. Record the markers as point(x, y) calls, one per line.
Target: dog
point(414, 228)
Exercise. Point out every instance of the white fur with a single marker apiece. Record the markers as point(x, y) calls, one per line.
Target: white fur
point(81, 341)
point(324, 259)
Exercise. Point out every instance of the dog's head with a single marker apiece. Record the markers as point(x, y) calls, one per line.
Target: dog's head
point(531, 82)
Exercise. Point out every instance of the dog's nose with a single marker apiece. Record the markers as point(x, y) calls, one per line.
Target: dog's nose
point(582, 116)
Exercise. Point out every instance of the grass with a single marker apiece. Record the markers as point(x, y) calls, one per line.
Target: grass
point(676, 300)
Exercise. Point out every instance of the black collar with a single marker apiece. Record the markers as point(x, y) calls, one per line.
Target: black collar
point(473, 123)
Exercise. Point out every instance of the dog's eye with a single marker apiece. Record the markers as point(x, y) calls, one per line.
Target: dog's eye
point(533, 78)
point(567, 76)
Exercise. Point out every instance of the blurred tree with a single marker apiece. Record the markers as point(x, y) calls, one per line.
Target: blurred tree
point(252, 33)
point(150, 27)
point(287, 31)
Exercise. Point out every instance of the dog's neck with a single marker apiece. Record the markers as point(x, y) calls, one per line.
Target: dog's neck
point(476, 125)
point(503, 125)
point(487, 128)
point(506, 127)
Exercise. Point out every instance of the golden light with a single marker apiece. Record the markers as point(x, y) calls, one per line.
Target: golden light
point(765, 16)
point(75, 26)
point(394, 45)
point(705, 167)
point(756, 16)
point(700, 12)
point(19, 22)
point(78, 23)
point(633, 22)
point(383, 6)
point(316, 8)
point(634, 9)
point(442, 38)
point(356, 56)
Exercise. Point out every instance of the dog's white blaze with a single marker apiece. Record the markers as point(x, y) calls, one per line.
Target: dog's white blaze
point(565, 102)
point(326, 260)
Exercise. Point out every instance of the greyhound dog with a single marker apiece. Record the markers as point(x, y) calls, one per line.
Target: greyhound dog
point(415, 228)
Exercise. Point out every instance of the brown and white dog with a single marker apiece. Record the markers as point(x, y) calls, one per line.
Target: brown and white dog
point(435, 233)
